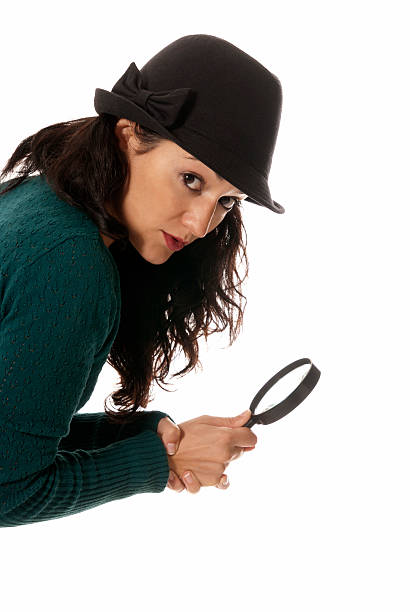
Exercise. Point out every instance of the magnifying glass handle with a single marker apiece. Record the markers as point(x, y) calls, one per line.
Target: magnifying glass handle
point(251, 422)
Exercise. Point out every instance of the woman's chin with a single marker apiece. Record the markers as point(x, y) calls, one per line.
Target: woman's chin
point(155, 257)
point(156, 261)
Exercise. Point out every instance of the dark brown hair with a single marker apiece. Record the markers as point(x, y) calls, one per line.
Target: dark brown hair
point(164, 307)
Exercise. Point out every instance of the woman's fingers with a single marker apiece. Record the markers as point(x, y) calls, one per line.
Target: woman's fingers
point(191, 482)
point(223, 482)
point(174, 482)
point(240, 450)
point(193, 485)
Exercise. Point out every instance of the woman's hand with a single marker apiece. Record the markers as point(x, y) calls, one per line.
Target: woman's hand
point(207, 446)
point(170, 433)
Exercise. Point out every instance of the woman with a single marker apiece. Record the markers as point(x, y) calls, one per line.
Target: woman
point(124, 245)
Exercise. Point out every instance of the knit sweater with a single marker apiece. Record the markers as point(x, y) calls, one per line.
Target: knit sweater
point(60, 304)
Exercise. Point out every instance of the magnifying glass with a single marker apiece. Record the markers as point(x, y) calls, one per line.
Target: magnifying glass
point(283, 392)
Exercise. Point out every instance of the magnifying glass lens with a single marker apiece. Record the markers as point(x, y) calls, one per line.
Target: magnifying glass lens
point(282, 388)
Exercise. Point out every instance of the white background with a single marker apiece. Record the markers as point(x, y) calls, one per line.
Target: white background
point(317, 517)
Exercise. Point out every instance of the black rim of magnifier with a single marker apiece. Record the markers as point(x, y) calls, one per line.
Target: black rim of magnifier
point(291, 401)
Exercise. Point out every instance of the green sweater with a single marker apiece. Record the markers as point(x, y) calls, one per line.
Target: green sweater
point(60, 304)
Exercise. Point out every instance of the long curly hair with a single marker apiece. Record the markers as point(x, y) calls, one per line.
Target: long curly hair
point(164, 307)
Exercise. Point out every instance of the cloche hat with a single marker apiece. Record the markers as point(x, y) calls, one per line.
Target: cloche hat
point(214, 101)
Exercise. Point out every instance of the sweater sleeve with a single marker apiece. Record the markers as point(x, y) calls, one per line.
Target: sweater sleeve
point(56, 317)
point(94, 430)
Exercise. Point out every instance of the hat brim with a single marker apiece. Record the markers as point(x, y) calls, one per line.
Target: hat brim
point(239, 174)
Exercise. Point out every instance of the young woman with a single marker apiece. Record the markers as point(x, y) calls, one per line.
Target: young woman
point(119, 240)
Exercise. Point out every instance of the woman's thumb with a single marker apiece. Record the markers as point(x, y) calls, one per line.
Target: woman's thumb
point(244, 416)
point(247, 412)
point(227, 421)
point(172, 440)
point(169, 433)
point(240, 419)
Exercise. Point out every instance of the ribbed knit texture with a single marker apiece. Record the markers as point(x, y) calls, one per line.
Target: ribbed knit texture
point(60, 304)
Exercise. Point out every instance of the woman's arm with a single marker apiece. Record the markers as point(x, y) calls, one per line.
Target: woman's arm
point(94, 430)
point(56, 316)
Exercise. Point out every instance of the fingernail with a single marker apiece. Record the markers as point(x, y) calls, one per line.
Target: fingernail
point(225, 481)
point(188, 478)
point(171, 448)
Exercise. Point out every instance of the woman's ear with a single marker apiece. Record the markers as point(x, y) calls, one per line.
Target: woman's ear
point(124, 131)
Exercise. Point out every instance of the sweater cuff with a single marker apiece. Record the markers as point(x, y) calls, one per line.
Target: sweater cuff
point(149, 419)
point(93, 430)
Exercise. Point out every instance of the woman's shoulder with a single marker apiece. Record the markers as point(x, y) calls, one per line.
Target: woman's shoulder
point(35, 221)
point(46, 243)
point(33, 212)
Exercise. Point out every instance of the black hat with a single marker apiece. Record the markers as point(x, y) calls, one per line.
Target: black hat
point(214, 101)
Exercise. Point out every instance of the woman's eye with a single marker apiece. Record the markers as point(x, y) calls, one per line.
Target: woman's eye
point(196, 178)
point(235, 201)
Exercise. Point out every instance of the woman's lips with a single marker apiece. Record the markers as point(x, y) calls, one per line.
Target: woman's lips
point(172, 243)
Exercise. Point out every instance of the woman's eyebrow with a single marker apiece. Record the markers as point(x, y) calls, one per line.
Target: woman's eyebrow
point(216, 174)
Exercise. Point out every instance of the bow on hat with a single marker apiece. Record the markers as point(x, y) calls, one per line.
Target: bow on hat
point(165, 106)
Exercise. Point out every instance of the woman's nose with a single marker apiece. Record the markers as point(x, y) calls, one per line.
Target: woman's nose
point(199, 216)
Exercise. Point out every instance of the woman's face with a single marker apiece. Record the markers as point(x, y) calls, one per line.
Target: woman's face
point(167, 192)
